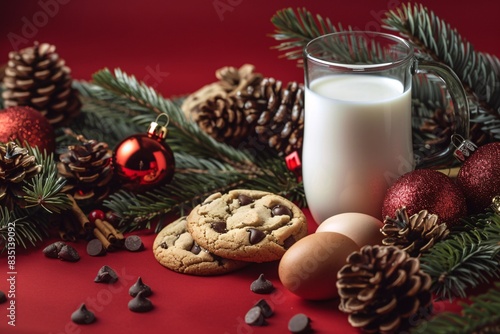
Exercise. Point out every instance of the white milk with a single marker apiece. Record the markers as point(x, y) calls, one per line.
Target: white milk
point(357, 140)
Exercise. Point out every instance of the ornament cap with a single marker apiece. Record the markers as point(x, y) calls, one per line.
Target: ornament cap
point(464, 147)
point(158, 131)
point(495, 204)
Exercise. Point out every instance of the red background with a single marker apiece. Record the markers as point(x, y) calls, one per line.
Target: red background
point(176, 47)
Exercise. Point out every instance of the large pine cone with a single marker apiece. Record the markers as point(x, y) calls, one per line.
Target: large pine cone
point(88, 170)
point(279, 115)
point(16, 165)
point(381, 287)
point(37, 77)
point(416, 234)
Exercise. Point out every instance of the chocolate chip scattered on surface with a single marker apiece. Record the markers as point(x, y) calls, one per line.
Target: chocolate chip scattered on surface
point(68, 253)
point(266, 309)
point(299, 323)
point(138, 287)
point(140, 303)
point(83, 316)
point(134, 243)
point(254, 317)
point(262, 285)
point(106, 275)
point(95, 248)
point(53, 249)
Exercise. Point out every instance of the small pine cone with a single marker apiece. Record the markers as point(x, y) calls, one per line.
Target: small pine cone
point(232, 81)
point(38, 78)
point(87, 169)
point(414, 235)
point(279, 115)
point(381, 287)
point(218, 107)
point(221, 118)
point(16, 165)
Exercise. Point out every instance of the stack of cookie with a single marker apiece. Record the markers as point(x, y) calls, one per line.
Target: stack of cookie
point(228, 231)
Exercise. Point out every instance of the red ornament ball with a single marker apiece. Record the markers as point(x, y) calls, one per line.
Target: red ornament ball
point(26, 124)
point(143, 162)
point(426, 189)
point(479, 177)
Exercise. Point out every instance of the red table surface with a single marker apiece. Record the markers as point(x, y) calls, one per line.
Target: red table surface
point(176, 46)
point(47, 291)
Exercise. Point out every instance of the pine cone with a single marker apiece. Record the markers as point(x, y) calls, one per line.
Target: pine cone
point(37, 77)
point(16, 165)
point(222, 119)
point(279, 115)
point(218, 107)
point(87, 169)
point(414, 235)
point(381, 287)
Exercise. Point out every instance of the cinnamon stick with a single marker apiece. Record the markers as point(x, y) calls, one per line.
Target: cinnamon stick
point(79, 215)
point(103, 239)
point(117, 234)
point(103, 228)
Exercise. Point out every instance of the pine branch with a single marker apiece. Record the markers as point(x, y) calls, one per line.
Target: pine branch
point(478, 72)
point(465, 259)
point(184, 135)
point(481, 316)
point(104, 117)
point(296, 29)
point(44, 189)
point(203, 166)
point(25, 230)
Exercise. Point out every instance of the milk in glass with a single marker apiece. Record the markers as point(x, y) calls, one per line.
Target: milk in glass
point(356, 142)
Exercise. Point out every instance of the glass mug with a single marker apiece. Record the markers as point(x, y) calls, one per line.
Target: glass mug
point(357, 125)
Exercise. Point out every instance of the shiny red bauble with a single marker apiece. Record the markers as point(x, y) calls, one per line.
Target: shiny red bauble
point(143, 162)
point(426, 189)
point(479, 177)
point(26, 124)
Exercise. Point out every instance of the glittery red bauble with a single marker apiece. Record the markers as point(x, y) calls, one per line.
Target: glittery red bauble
point(479, 177)
point(426, 189)
point(143, 162)
point(27, 125)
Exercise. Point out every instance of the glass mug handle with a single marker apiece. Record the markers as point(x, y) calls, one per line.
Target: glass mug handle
point(460, 106)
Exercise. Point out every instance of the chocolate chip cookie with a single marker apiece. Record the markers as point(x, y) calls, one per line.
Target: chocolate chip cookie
point(247, 225)
point(175, 249)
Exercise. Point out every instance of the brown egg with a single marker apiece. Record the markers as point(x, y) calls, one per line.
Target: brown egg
point(309, 268)
point(361, 228)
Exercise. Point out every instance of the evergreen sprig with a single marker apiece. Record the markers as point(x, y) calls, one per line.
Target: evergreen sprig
point(43, 199)
point(203, 165)
point(480, 316)
point(44, 189)
point(186, 135)
point(24, 227)
point(295, 29)
point(465, 259)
